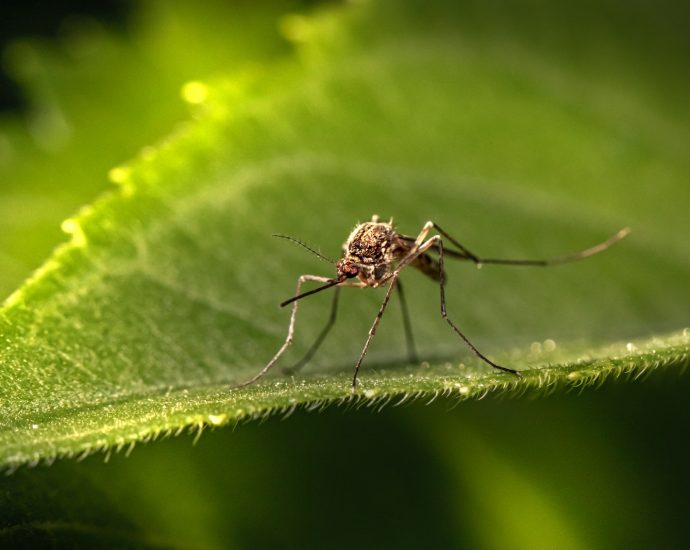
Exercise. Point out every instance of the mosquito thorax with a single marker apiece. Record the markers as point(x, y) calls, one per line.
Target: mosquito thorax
point(373, 248)
point(369, 243)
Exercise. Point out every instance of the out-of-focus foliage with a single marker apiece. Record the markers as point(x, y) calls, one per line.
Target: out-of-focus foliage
point(98, 98)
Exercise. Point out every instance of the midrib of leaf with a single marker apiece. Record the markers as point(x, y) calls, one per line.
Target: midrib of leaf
point(166, 412)
point(92, 358)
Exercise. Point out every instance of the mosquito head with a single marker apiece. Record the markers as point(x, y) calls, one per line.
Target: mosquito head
point(346, 269)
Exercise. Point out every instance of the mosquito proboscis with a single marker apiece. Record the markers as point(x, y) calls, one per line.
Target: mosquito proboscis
point(374, 255)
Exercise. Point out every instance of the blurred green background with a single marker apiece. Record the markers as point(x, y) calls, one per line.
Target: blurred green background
point(85, 90)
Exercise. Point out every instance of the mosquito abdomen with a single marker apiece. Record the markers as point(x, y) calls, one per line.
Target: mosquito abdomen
point(427, 265)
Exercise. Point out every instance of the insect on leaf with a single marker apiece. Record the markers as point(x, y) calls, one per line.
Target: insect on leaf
point(166, 294)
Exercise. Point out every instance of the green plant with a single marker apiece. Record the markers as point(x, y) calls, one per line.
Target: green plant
point(517, 140)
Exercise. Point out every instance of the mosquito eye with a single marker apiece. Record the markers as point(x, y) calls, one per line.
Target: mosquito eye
point(350, 270)
point(347, 269)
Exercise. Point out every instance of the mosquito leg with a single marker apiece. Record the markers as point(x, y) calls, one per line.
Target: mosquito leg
point(409, 339)
point(291, 331)
point(420, 238)
point(420, 247)
point(444, 314)
point(317, 344)
point(372, 330)
point(470, 256)
point(465, 254)
point(416, 250)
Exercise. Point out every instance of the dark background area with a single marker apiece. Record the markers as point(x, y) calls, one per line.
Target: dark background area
point(45, 19)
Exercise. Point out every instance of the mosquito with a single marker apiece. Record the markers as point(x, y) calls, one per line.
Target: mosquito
point(374, 255)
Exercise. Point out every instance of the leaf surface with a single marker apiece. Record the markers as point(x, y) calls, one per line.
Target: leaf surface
point(166, 292)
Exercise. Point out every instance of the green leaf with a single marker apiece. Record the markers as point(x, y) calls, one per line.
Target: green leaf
point(55, 159)
point(166, 292)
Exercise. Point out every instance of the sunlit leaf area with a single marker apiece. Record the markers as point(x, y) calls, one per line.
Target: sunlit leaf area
point(149, 150)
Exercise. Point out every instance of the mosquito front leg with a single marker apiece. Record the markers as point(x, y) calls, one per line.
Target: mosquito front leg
point(374, 326)
point(319, 340)
point(291, 330)
point(444, 314)
point(414, 252)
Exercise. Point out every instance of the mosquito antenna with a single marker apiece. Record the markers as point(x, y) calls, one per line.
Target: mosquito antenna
point(567, 258)
point(309, 248)
point(305, 294)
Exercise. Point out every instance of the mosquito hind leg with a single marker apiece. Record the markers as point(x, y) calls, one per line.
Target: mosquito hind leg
point(465, 254)
point(469, 255)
